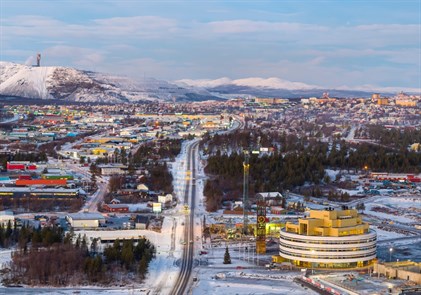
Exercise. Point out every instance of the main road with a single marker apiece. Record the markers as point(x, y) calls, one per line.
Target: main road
point(183, 279)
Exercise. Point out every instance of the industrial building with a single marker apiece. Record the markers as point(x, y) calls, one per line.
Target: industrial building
point(85, 220)
point(115, 169)
point(46, 182)
point(38, 193)
point(20, 166)
point(329, 239)
point(403, 270)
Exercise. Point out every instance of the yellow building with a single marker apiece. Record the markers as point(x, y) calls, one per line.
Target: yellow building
point(270, 100)
point(406, 103)
point(329, 239)
point(375, 97)
point(383, 101)
point(99, 151)
point(415, 147)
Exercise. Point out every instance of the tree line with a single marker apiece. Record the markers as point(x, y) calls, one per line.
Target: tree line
point(293, 162)
point(395, 137)
point(47, 256)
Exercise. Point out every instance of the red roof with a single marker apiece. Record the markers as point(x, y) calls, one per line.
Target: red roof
point(27, 182)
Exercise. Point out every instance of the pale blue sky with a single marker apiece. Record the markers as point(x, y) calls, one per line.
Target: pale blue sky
point(327, 43)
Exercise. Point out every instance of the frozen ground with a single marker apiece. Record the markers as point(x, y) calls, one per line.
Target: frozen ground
point(332, 174)
point(403, 209)
point(242, 277)
point(5, 257)
point(386, 235)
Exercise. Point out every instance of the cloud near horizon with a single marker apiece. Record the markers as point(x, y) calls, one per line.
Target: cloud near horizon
point(169, 43)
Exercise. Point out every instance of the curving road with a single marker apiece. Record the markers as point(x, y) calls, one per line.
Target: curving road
point(183, 280)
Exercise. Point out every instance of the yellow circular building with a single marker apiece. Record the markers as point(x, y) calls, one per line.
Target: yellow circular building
point(329, 239)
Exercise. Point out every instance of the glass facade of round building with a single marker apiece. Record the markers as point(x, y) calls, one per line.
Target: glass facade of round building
point(329, 239)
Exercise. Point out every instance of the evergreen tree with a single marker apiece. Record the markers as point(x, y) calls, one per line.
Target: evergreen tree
point(93, 179)
point(143, 267)
point(227, 257)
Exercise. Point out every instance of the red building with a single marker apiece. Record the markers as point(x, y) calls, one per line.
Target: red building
point(49, 182)
point(19, 166)
point(116, 208)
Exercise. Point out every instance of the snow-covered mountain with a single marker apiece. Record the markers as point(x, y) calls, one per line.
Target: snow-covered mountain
point(276, 87)
point(272, 83)
point(83, 86)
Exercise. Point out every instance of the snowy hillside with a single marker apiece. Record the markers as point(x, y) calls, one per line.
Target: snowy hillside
point(276, 87)
point(74, 85)
point(273, 83)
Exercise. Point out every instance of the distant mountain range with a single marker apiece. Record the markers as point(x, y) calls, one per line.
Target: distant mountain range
point(62, 83)
point(69, 84)
point(275, 87)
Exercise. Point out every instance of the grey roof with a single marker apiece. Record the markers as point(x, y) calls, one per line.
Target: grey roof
point(33, 189)
point(6, 213)
point(85, 216)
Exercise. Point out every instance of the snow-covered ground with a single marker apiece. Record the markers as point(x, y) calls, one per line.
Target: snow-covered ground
point(386, 235)
point(402, 209)
point(163, 270)
point(5, 257)
point(332, 174)
point(138, 207)
point(242, 276)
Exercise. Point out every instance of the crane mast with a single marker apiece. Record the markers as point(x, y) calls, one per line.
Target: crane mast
point(246, 169)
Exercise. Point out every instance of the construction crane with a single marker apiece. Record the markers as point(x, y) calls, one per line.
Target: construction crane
point(246, 172)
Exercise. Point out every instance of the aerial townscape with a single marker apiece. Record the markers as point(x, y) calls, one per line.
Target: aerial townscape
point(114, 182)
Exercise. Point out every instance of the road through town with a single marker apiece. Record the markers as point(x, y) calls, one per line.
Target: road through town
point(183, 280)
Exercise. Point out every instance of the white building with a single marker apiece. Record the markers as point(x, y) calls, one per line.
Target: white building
point(112, 169)
point(5, 217)
point(165, 199)
point(108, 237)
point(85, 220)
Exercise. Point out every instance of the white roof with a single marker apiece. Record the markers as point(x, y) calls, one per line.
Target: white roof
point(31, 189)
point(85, 216)
point(270, 194)
point(6, 213)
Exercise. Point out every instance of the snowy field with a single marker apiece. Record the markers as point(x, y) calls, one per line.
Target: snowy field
point(386, 235)
point(5, 257)
point(241, 277)
point(403, 209)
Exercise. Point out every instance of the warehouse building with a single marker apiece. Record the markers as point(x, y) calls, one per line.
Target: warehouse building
point(85, 220)
point(39, 193)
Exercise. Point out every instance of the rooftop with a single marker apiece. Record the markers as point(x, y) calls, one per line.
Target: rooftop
point(85, 216)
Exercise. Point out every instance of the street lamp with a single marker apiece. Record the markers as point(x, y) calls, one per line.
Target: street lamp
point(366, 171)
point(390, 254)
